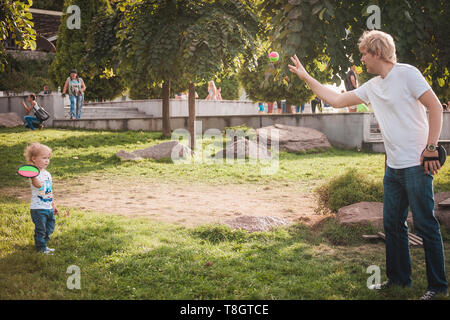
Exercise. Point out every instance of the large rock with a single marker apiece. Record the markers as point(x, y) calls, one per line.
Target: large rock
point(254, 223)
point(442, 213)
point(363, 213)
point(11, 119)
point(295, 139)
point(243, 149)
point(157, 152)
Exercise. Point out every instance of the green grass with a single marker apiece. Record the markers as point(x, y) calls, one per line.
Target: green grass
point(122, 258)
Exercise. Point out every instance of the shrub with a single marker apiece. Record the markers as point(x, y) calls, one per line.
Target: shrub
point(349, 188)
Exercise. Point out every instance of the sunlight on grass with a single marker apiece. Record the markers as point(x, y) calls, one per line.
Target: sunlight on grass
point(124, 258)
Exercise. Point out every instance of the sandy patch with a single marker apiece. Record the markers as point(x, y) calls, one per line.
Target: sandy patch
point(187, 204)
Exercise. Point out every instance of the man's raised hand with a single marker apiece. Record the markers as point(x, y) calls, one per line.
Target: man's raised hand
point(297, 68)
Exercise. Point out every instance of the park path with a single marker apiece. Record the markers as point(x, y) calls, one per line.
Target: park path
point(188, 204)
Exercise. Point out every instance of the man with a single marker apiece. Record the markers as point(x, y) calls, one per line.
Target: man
point(350, 84)
point(397, 96)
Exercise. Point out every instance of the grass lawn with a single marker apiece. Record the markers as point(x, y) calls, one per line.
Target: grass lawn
point(123, 258)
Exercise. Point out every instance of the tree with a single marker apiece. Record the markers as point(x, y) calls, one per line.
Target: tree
point(261, 83)
point(317, 28)
point(102, 83)
point(181, 42)
point(218, 41)
point(16, 24)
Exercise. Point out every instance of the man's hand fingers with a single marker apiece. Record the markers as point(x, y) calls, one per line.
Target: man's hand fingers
point(294, 62)
point(425, 166)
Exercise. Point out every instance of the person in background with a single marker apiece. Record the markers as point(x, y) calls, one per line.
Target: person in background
point(316, 102)
point(269, 107)
point(351, 84)
point(261, 107)
point(212, 91)
point(218, 94)
point(76, 88)
point(31, 120)
point(445, 106)
point(46, 91)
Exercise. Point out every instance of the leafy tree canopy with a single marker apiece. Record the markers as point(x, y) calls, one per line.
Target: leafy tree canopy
point(316, 28)
point(16, 24)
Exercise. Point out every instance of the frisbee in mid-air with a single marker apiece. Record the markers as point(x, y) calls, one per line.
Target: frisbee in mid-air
point(28, 171)
point(274, 56)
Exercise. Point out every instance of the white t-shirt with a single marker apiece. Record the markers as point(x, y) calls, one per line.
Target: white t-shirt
point(402, 118)
point(35, 107)
point(42, 198)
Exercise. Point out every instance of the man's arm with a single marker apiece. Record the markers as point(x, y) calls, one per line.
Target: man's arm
point(431, 102)
point(332, 98)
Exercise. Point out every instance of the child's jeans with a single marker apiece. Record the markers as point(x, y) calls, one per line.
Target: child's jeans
point(44, 222)
point(32, 120)
point(76, 101)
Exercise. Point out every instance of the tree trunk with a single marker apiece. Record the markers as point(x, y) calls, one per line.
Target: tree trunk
point(191, 103)
point(288, 107)
point(166, 131)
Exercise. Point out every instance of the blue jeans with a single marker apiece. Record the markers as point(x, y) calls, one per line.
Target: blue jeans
point(404, 189)
point(32, 120)
point(44, 225)
point(76, 103)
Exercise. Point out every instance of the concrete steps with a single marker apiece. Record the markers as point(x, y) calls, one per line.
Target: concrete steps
point(108, 113)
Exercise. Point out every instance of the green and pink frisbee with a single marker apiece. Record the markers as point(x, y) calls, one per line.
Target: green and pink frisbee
point(28, 171)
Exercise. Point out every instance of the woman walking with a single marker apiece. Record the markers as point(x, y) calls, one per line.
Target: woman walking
point(76, 88)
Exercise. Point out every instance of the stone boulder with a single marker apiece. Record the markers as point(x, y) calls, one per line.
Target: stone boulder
point(363, 213)
point(254, 223)
point(243, 149)
point(10, 120)
point(442, 213)
point(295, 139)
point(157, 152)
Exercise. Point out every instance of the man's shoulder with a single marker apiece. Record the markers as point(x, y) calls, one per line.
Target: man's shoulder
point(404, 67)
point(372, 81)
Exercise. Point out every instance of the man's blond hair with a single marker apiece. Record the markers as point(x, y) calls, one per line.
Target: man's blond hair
point(375, 40)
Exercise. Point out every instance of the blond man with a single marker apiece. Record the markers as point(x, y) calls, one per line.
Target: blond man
point(398, 96)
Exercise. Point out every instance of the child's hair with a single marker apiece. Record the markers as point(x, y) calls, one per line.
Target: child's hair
point(33, 97)
point(35, 149)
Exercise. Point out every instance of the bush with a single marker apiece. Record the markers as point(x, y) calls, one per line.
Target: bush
point(349, 188)
point(26, 75)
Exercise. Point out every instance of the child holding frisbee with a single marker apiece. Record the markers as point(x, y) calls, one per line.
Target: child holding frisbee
point(42, 207)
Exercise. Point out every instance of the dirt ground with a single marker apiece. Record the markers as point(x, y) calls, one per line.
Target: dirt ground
point(188, 204)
